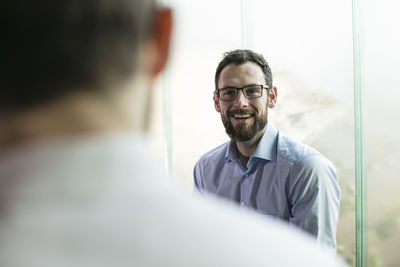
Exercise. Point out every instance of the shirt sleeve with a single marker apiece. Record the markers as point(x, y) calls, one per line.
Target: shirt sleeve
point(198, 180)
point(314, 197)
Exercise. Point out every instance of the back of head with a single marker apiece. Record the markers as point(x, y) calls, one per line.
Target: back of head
point(52, 48)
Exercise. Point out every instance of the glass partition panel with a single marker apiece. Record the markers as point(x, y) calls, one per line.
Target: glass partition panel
point(310, 49)
point(203, 31)
point(382, 79)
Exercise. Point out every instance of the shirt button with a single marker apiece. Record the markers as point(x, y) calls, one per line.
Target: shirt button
point(242, 203)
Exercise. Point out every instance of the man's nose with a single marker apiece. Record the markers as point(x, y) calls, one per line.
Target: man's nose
point(241, 100)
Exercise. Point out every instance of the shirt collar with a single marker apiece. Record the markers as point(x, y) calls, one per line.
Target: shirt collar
point(266, 149)
point(231, 153)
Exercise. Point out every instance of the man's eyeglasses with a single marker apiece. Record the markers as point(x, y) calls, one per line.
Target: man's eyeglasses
point(249, 91)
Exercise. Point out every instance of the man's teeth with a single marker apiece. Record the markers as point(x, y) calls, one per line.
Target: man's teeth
point(241, 116)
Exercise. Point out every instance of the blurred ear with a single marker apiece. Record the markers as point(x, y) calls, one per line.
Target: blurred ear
point(273, 94)
point(161, 38)
point(216, 102)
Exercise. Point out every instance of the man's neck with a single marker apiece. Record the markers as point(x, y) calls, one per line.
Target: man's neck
point(246, 149)
point(77, 115)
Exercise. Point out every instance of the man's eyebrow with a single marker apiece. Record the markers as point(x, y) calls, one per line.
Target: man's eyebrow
point(225, 87)
point(250, 84)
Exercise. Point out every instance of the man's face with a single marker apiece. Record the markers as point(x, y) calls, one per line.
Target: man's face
point(244, 119)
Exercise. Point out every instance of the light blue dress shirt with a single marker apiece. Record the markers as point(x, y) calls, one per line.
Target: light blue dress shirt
point(284, 179)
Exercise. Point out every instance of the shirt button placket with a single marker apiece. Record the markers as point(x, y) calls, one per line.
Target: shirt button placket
point(244, 203)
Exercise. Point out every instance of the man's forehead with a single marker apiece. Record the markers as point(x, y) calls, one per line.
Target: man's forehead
point(241, 75)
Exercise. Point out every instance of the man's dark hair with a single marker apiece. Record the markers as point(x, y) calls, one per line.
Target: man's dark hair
point(52, 48)
point(241, 56)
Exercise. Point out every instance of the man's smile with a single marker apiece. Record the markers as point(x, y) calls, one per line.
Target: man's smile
point(241, 116)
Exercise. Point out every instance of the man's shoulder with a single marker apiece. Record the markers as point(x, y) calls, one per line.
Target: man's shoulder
point(295, 152)
point(216, 153)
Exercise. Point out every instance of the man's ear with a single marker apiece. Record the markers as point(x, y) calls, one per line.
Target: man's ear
point(216, 102)
point(273, 94)
point(162, 38)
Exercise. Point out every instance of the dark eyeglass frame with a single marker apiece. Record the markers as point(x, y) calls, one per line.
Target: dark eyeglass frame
point(243, 92)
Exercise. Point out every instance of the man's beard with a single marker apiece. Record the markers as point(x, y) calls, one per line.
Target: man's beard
point(244, 132)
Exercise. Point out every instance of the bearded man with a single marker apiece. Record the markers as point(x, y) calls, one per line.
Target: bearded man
point(260, 168)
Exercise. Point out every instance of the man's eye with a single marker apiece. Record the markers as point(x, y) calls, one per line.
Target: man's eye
point(229, 92)
point(252, 91)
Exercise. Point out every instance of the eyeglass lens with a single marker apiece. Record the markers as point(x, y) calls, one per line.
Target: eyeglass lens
point(252, 91)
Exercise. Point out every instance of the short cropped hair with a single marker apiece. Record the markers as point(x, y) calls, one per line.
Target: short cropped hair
point(241, 56)
point(51, 48)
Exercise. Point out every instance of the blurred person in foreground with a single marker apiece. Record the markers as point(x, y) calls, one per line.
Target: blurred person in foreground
point(260, 168)
point(78, 184)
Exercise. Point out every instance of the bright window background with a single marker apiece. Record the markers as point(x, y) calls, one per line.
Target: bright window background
point(309, 47)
